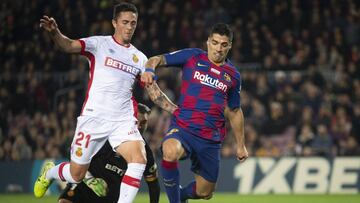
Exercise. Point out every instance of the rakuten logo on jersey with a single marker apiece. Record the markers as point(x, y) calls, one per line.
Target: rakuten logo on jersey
point(121, 66)
point(205, 79)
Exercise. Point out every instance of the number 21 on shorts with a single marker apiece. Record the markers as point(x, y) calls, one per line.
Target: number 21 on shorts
point(81, 138)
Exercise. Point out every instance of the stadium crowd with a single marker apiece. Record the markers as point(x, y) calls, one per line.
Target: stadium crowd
point(299, 62)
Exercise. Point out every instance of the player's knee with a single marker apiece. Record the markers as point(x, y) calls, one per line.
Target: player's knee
point(78, 176)
point(77, 172)
point(170, 153)
point(141, 159)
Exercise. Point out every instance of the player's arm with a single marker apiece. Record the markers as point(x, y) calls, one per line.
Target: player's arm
point(236, 118)
point(63, 42)
point(177, 58)
point(148, 76)
point(159, 97)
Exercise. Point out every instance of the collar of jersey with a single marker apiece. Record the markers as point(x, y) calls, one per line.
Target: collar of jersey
point(128, 46)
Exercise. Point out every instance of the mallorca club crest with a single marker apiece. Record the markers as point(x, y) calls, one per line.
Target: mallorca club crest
point(79, 152)
point(135, 58)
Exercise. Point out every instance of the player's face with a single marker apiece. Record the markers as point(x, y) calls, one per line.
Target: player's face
point(218, 47)
point(125, 25)
point(142, 122)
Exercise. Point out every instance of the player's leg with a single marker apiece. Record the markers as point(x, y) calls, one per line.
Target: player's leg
point(68, 194)
point(78, 193)
point(65, 171)
point(204, 188)
point(205, 164)
point(198, 189)
point(128, 142)
point(134, 154)
point(151, 176)
point(173, 150)
point(83, 147)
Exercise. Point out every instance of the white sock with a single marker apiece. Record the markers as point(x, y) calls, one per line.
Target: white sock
point(61, 172)
point(131, 182)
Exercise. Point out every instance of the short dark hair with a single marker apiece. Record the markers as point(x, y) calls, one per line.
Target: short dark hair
point(222, 29)
point(123, 7)
point(142, 108)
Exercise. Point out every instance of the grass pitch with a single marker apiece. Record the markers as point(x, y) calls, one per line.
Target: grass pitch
point(218, 198)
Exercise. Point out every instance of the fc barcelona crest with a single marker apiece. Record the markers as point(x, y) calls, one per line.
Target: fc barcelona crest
point(135, 58)
point(227, 77)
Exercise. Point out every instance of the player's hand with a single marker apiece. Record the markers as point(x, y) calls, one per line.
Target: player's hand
point(148, 77)
point(242, 153)
point(49, 24)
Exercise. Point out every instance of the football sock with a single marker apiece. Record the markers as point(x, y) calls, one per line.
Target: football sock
point(61, 172)
point(189, 192)
point(131, 182)
point(171, 176)
point(154, 190)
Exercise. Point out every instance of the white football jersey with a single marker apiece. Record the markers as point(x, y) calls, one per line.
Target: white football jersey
point(114, 69)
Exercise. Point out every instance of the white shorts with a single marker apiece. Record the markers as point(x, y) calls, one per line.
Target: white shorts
point(91, 134)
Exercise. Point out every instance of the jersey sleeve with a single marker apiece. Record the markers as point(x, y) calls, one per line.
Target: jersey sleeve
point(234, 94)
point(143, 60)
point(180, 57)
point(89, 44)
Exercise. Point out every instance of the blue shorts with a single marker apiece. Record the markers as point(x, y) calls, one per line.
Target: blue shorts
point(204, 154)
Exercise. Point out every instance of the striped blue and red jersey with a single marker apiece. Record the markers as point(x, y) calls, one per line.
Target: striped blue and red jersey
point(205, 92)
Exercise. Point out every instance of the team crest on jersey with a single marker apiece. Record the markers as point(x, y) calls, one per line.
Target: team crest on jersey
point(135, 58)
point(174, 130)
point(111, 51)
point(79, 152)
point(227, 77)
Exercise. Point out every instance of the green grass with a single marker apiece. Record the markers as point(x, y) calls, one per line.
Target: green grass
point(218, 198)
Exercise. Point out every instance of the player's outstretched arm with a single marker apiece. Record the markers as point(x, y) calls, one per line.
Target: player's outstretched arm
point(159, 97)
point(63, 42)
point(148, 76)
point(236, 118)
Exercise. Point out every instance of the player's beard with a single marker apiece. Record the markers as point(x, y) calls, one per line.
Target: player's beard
point(127, 37)
point(218, 57)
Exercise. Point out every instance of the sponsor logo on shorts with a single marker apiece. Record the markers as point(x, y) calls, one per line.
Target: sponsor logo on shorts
point(132, 132)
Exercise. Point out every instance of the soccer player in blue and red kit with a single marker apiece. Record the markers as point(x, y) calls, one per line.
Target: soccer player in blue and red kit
point(210, 91)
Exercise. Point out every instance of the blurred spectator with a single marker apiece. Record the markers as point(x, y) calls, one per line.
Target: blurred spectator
point(305, 141)
point(322, 144)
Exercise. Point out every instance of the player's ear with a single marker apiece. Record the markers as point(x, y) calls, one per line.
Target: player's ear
point(113, 23)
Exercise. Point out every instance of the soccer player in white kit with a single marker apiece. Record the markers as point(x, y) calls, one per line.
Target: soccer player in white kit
point(107, 112)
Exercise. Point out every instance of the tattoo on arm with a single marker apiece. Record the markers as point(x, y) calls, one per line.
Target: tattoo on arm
point(159, 98)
